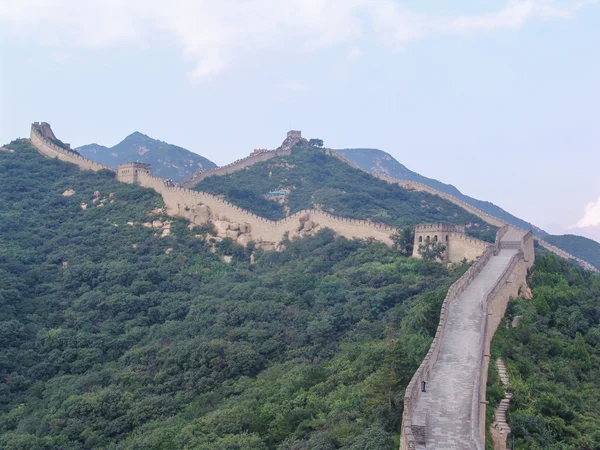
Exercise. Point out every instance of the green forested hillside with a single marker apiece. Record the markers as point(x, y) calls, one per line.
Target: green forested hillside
point(114, 338)
point(379, 161)
point(316, 180)
point(553, 359)
point(582, 247)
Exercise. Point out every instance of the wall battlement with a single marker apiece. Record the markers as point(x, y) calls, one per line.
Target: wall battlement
point(488, 218)
point(201, 207)
point(415, 423)
point(240, 164)
point(440, 227)
point(40, 139)
point(48, 148)
point(458, 245)
point(128, 172)
point(258, 155)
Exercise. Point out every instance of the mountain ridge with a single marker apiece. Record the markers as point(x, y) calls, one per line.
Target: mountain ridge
point(370, 160)
point(168, 160)
point(569, 245)
point(376, 163)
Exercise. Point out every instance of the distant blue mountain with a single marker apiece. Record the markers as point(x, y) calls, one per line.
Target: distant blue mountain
point(378, 161)
point(168, 161)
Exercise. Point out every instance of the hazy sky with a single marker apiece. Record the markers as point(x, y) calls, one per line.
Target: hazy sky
point(500, 98)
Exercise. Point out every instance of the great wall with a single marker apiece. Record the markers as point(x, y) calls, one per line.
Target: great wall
point(229, 220)
point(444, 404)
point(458, 245)
point(416, 186)
point(293, 138)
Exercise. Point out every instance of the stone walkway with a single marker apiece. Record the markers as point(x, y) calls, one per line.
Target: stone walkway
point(446, 406)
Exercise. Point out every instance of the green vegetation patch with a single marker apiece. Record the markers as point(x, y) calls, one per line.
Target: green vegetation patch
point(316, 180)
point(553, 359)
point(582, 247)
point(113, 337)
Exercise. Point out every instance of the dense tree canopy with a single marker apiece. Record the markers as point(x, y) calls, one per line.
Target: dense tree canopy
point(553, 356)
point(317, 180)
point(112, 336)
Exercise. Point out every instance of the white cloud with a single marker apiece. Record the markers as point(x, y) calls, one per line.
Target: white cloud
point(214, 34)
point(591, 215)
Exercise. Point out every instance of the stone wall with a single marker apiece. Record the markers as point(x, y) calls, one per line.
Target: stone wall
point(292, 139)
point(239, 164)
point(557, 251)
point(51, 150)
point(462, 247)
point(511, 283)
point(458, 245)
point(494, 305)
point(408, 440)
point(237, 223)
point(201, 208)
point(416, 186)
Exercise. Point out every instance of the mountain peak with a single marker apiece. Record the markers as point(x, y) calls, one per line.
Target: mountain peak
point(136, 135)
point(168, 161)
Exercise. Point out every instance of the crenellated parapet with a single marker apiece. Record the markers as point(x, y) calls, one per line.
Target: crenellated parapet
point(454, 371)
point(557, 251)
point(458, 246)
point(42, 138)
point(488, 218)
point(202, 208)
point(258, 155)
point(237, 165)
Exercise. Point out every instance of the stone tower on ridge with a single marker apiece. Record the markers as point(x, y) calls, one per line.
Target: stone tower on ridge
point(458, 244)
point(128, 172)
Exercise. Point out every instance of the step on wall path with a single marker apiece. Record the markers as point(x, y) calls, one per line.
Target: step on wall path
point(500, 429)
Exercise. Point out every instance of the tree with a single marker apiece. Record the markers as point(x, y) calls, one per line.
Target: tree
point(431, 250)
point(403, 240)
point(318, 143)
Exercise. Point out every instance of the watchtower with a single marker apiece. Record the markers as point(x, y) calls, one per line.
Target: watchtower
point(294, 134)
point(436, 232)
point(128, 172)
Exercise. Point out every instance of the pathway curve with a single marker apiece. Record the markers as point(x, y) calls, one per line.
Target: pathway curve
point(445, 407)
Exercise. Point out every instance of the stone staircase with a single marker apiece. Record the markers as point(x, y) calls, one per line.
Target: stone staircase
point(500, 429)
